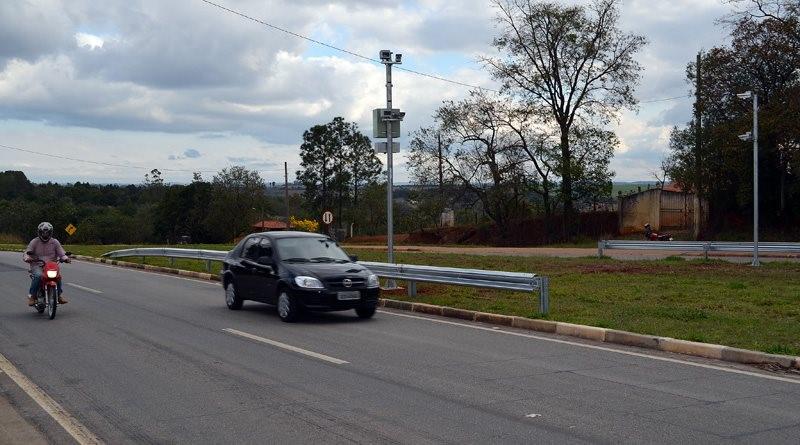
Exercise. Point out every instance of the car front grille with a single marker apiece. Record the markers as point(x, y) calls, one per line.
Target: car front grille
point(338, 283)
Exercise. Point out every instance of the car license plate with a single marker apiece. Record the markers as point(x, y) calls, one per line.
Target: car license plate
point(349, 295)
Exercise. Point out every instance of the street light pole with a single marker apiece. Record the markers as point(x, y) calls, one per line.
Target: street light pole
point(755, 180)
point(754, 135)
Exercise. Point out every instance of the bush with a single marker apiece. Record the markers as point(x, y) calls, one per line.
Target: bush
point(304, 225)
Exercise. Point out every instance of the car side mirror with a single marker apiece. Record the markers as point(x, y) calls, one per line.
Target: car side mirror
point(264, 261)
point(354, 258)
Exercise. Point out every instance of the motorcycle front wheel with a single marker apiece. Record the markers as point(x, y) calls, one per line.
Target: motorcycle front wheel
point(52, 302)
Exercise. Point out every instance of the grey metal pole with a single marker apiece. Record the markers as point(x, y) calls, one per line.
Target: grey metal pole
point(755, 181)
point(390, 284)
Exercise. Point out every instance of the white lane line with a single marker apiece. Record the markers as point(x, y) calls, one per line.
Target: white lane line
point(77, 430)
point(602, 348)
point(287, 347)
point(87, 289)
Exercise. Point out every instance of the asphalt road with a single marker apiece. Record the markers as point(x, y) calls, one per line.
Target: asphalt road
point(146, 358)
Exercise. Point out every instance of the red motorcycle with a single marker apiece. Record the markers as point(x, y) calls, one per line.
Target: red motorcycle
point(653, 236)
point(47, 297)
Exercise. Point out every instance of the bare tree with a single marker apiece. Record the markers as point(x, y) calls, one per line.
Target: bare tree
point(567, 64)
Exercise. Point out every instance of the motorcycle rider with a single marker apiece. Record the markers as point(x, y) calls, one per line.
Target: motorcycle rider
point(648, 231)
point(43, 248)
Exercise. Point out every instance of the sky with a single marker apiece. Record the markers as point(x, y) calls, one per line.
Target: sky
point(184, 86)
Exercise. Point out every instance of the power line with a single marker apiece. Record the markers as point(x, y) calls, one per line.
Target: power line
point(111, 164)
point(686, 96)
point(336, 48)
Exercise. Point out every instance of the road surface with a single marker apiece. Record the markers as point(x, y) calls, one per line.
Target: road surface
point(138, 357)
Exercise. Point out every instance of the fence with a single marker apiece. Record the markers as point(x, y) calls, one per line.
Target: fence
point(411, 274)
point(697, 246)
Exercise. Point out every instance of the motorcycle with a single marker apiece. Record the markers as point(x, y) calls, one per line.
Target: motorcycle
point(653, 236)
point(47, 296)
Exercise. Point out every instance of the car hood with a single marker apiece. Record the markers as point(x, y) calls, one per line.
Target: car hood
point(325, 270)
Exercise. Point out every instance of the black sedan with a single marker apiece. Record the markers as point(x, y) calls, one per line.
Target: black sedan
point(297, 271)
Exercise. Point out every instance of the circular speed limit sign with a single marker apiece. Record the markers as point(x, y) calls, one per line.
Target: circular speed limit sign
point(327, 217)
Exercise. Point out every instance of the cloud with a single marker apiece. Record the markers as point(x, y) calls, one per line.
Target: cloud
point(190, 153)
point(191, 73)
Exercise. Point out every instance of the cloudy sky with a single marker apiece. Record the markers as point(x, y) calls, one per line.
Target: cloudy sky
point(183, 86)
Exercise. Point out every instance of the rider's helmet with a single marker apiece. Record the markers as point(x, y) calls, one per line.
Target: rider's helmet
point(647, 226)
point(45, 230)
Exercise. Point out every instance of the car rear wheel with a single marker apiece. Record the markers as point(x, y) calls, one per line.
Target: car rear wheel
point(365, 311)
point(232, 298)
point(288, 309)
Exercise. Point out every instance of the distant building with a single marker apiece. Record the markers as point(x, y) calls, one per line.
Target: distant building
point(665, 208)
point(269, 225)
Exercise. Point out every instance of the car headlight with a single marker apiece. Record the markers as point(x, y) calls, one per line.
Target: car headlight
point(372, 281)
point(308, 282)
point(52, 273)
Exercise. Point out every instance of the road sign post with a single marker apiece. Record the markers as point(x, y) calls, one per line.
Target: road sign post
point(327, 219)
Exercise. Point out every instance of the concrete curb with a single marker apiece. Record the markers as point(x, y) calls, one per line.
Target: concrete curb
point(667, 344)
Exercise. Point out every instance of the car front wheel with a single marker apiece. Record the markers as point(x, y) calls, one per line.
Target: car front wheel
point(366, 311)
point(287, 307)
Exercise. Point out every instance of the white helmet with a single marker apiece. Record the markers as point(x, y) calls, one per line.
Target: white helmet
point(45, 231)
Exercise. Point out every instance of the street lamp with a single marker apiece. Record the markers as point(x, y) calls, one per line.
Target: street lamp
point(754, 136)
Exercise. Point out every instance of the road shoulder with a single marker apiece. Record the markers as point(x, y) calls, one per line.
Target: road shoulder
point(14, 427)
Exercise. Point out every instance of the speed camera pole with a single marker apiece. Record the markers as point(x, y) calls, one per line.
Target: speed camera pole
point(386, 59)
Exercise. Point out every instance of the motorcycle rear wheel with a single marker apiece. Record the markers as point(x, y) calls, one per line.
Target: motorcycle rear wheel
point(52, 302)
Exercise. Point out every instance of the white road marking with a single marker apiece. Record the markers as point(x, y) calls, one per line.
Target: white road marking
point(77, 430)
point(287, 347)
point(602, 348)
point(87, 289)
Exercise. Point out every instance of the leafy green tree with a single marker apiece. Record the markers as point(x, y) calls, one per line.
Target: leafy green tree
point(337, 161)
point(235, 192)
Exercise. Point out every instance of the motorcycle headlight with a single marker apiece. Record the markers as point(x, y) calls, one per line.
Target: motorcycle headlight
point(372, 281)
point(308, 282)
point(52, 273)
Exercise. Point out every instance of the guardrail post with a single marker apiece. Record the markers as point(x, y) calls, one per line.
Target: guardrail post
point(208, 266)
point(705, 250)
point(600, 246)
point(142, 259)
point(412, 288)
point(544, 295)
point(172, 261)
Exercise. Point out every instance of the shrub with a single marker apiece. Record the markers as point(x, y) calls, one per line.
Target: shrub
point(304, 225)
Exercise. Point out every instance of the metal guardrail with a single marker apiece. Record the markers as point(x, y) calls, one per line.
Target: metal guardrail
point(411, 274)
point(491, 279)
point(697, 246)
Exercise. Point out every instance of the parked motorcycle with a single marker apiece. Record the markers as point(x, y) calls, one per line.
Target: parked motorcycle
point(653, 236)
point(47, 297)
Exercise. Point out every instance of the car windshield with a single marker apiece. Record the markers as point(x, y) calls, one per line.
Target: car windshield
point(310, 249)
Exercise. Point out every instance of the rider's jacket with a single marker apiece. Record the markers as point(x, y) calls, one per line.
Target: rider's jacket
point(49, 250)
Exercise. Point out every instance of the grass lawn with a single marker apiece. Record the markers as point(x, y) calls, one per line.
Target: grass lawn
point(701, 300)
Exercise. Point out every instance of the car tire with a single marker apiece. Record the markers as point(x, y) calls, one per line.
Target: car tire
point(232, 298)
point(366, 311)
point(288, 309)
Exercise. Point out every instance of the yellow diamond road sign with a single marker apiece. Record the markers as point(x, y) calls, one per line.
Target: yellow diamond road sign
point(71, 229)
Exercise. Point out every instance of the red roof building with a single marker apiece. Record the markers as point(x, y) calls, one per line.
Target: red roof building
point(269, 225)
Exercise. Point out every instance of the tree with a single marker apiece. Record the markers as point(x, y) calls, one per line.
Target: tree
point(235, 192)
point(337, 161)
point(567, 64)
point(481, 156)
point(763, 56)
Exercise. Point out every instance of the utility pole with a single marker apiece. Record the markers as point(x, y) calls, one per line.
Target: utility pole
point(286, 190)
point(698, 148)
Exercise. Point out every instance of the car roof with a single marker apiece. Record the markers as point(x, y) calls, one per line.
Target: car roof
point(289, 234)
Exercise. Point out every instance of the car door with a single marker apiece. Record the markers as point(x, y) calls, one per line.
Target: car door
point(265, 278)
point(246, 267)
